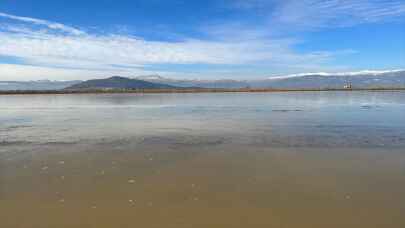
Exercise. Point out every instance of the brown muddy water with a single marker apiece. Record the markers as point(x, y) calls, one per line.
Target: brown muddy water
point(300, 159)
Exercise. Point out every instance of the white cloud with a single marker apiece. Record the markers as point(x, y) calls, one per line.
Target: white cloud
point(64, 47)
point(56, 50)
point(50, 25)
point(40, 46)
point(13, 72)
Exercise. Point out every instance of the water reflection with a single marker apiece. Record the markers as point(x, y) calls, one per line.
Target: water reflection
point(365, 116)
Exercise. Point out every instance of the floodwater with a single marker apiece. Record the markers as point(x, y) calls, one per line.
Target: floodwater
point(296, 159)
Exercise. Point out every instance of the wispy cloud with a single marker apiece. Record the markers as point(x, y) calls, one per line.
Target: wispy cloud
point(250, 4)
point(50, 25)
point(316, 14)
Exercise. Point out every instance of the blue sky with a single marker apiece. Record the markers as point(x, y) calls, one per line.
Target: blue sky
point(211, 39)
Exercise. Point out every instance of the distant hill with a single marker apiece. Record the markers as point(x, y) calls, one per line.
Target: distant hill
point(35, 85)
point(117, 82)
point(361, 79)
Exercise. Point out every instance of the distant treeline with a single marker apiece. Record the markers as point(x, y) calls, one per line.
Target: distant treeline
point(185, 90)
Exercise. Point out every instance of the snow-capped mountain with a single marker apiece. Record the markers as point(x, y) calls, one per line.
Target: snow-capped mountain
point(353, 73)
point(359, 79)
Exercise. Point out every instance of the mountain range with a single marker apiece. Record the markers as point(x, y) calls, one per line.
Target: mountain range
point(360, 79)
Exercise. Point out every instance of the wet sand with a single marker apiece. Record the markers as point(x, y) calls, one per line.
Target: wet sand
point(212, 186)
point(205, 169)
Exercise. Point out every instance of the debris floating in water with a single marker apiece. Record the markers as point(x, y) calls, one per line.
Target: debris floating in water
point(62, 200)
point(61, 162)
point(45, 168)
point(131, 181)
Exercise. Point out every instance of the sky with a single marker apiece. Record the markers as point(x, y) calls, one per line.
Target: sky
point(210, 39)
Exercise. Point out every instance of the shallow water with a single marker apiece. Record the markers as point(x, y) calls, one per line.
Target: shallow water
point(299, 159)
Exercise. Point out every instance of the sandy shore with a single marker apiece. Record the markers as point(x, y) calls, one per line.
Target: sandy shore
point(210, 185)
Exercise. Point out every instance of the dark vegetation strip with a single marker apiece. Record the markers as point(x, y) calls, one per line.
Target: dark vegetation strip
point(201, 90)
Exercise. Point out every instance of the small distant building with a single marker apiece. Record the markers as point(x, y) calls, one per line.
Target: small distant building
point(348, 86)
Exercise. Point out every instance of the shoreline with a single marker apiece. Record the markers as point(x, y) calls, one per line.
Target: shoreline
point(202, 90)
